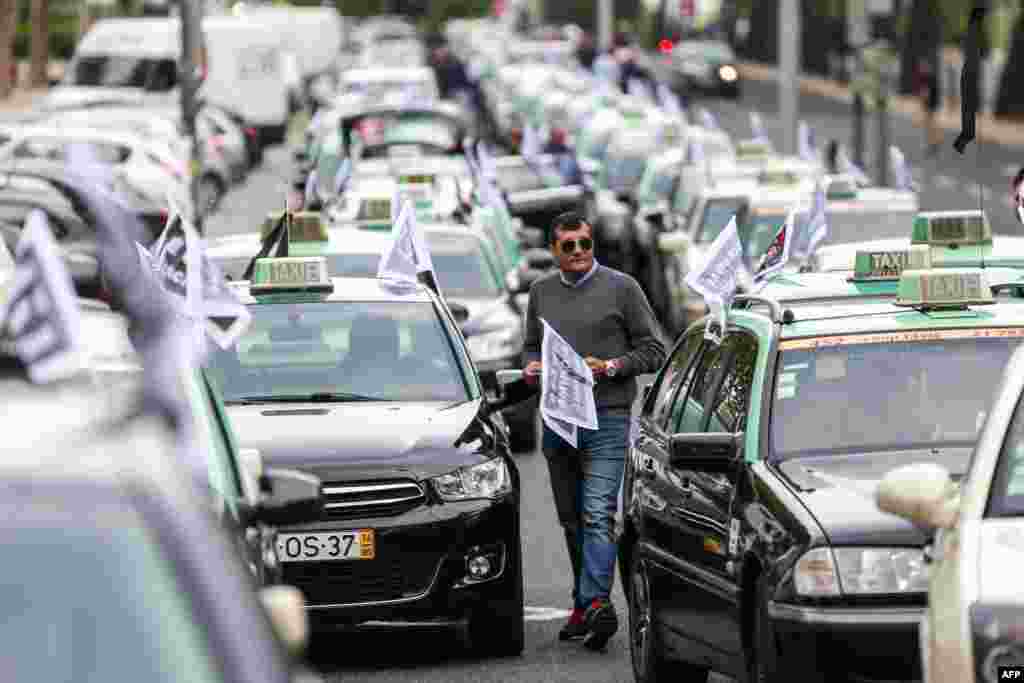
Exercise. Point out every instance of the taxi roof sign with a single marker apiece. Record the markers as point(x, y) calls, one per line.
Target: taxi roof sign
point(416, 179)
point(753, 149)
point(889, 264)
point(293, 273)
point(306, 226)
point(778, 176)
point(943, 289)
point(952, 228)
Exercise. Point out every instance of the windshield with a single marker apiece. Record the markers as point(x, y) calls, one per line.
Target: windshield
point(110, 71)
point(882, 392)
point(389, 351)
point(717, 214)
point(120, 615)
point(432, 131)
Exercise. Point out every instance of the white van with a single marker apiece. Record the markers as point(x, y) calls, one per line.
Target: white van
point(313, 34)
point(137, 60)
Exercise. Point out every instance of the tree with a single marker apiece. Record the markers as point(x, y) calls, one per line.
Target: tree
point(1010, 99)
point(40, 20)
point(8, 24)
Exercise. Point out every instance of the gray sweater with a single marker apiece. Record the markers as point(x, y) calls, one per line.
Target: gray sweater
point(607, 317)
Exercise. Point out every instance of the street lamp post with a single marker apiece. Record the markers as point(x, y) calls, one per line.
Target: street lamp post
point(789, 71)
point(191, 65)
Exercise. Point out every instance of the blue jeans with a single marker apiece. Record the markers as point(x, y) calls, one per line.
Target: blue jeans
point(585, 482)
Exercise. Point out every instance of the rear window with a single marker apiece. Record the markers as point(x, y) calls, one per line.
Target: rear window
point(717, 214)
point(116, 71)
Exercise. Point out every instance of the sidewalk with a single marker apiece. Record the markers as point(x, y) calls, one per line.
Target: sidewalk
point(989, 129)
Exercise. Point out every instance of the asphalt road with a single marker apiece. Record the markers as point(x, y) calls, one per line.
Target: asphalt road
point(946, 183)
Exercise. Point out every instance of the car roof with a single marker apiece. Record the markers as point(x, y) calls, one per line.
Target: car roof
point(353, 289)
point(389, 74)
point(78, 132)
point(1006, 251)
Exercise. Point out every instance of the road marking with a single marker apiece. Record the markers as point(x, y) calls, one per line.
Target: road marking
point(944, 182)
point(544, 613)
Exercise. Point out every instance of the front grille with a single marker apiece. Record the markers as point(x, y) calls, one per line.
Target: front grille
point(394, 574)
point(371, 498)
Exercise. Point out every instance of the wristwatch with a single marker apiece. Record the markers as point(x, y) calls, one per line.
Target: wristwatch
point(612, 367)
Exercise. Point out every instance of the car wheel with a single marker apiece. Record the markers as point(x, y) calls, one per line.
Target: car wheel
point(649, 662)
point(522, 430)
point(497, 628)
point(211, 191)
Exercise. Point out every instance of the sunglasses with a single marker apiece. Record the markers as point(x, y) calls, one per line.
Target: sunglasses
point(569, 246)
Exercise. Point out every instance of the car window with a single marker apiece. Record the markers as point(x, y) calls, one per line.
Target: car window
point(88, 594)
point(676, 375)
point(729, 409)
point(717, 214)
point(462, 268)
point(391, 351)
point(689, 408)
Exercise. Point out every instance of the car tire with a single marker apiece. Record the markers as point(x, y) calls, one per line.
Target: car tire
point(498, 628)
point(522, 431)
point(645, 651)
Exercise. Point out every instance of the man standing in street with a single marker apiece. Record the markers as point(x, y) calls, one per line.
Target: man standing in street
point(604, 315)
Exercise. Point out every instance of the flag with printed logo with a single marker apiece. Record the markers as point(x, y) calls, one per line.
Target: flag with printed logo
point(777, 255)
point(40, 314)
point(567, 388)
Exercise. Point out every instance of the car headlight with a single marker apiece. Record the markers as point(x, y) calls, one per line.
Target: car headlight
point(494, 345)
point(998, 639)
point(825, 572)
point(486, 480)
point(728, 73)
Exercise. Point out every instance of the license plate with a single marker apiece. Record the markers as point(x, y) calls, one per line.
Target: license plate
point(337, 545)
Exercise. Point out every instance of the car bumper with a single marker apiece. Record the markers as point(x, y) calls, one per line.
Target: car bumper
point(873, 643)
point(419, 572)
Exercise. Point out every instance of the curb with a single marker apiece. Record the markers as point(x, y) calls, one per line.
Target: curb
point(989, 129)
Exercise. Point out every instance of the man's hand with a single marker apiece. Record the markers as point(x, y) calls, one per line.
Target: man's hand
point(531, 373)
point(597, 366)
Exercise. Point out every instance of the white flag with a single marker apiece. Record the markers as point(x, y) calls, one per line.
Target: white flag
point(41, 313)
point(805, 142)
point(531, 147)
point(723, 269)
point(669, 101)
point(342, 176)
point(567, 388)
point(817, 222)
point(845, 165)
point(638, 88)
point(694, 152)
point(757, 127)
point(407, 255)
point(488, 169)
point(310, 193)
point(900, 169)
point(708, 120)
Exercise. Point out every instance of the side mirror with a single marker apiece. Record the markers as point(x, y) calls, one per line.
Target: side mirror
point(459, 312)
point(532, 238)
point(286, 608)
point(713, 453)
point(922, 493)
point(539, 259)
point(289, 497)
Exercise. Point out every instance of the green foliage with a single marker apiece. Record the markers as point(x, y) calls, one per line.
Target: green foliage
point(63, 37)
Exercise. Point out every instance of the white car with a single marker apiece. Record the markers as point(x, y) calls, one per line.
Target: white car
point(150, 166)
point(974, 623)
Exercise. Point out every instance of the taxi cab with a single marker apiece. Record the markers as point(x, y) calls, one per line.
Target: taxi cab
point(368, 385)
point(752, 544)
point(972, 627)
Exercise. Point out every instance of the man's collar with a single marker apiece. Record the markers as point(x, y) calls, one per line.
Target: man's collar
point(579, 283)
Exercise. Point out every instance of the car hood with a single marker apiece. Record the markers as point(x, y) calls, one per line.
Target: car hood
point(366, 440)
point(840, 492)
point(1001, 552)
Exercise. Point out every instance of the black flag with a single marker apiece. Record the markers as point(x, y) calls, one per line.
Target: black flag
point(969, 96)
point(278, 237)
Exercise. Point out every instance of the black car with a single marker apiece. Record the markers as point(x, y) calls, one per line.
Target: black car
point(369, 386)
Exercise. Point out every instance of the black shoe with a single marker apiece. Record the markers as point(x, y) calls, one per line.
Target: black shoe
point(573, 630)
point(601, 623)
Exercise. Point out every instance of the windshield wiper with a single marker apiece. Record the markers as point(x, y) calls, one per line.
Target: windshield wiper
point(316, 397)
